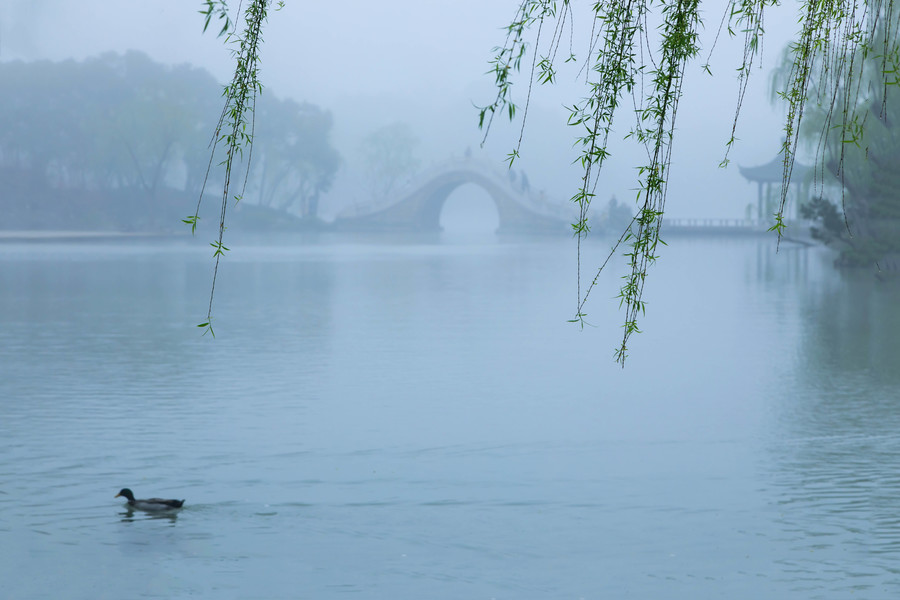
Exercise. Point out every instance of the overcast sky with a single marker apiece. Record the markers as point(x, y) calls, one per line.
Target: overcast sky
point(424, 62)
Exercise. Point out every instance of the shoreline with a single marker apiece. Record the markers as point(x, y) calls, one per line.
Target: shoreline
point(39, 235)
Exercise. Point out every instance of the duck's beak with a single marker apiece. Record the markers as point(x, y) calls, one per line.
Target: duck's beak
point(117, 495)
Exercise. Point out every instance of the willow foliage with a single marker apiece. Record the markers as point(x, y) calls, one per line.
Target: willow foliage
point(636, 57)
point(854, 138)
point(236, 124)
point(849, 71)
point(635, 62)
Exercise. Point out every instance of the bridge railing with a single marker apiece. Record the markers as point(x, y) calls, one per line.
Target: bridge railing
point(793, 225)
point(707, 222)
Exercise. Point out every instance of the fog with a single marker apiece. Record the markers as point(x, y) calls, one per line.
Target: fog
point(411, 412)
point(424, 64)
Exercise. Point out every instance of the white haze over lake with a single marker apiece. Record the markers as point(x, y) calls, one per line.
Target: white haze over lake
point(424, 63)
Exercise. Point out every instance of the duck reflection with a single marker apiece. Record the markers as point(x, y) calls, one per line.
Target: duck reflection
point(130, 515)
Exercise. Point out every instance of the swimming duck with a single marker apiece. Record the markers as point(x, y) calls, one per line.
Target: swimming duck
point(150, 504)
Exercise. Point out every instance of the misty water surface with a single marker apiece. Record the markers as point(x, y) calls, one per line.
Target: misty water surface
point(416, 419)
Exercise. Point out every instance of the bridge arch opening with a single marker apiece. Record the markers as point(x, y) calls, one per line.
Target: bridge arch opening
point(469, 209)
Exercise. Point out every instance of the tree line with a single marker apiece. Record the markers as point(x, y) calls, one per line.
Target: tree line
point(120, 141)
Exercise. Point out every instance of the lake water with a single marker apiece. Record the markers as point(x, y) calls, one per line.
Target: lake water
point(416, 419)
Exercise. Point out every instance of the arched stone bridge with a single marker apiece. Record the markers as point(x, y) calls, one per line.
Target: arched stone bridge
point(418, 207)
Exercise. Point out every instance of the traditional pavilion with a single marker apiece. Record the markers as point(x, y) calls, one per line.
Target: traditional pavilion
point(772, 173)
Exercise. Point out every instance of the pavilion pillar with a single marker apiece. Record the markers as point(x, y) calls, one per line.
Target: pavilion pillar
point(759, 200)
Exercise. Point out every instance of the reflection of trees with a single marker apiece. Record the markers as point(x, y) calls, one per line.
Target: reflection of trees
point(838, 447)
point(120, 322)
point(853, 329)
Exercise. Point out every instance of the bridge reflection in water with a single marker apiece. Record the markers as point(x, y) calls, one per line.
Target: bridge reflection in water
point(418, 207)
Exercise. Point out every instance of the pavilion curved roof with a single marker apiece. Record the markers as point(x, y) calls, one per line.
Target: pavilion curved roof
point(772, 171)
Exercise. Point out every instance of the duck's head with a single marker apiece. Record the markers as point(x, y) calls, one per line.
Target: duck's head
point(126, 493)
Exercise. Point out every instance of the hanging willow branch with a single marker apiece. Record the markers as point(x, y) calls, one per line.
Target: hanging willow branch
point(827, 63)
point(618, 67)
point(235, 127)
point(626, 57)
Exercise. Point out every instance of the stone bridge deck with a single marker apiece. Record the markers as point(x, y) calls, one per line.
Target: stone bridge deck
point(418, 206)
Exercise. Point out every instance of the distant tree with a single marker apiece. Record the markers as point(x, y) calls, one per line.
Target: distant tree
point(112, 122)
point(39, 120)
point(159, 114)
point(295, 161)
point(389, 157)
